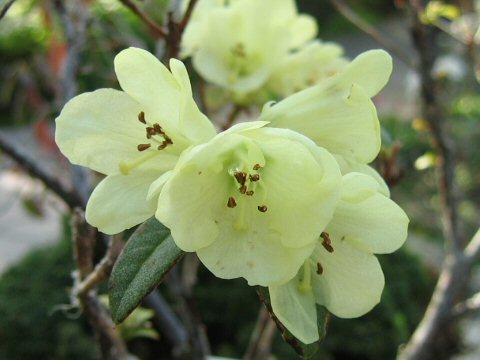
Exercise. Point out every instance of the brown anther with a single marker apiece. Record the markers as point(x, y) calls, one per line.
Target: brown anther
point(141, 117)
point(262, 208)
point(231, 202)
point(157, 128)
point(162, 146)
point(256, 167)
point(241, 177)
point(242, 189)
point(327, 243)
point(142, 147)
point(254, 177)
point(249, 192)
point(319, 269)
point(150, 131)
point(168, 141)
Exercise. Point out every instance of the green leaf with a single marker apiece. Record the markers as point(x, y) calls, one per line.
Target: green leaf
point(306, 351)
point(147, 257)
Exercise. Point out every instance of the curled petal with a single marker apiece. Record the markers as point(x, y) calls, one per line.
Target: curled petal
point(344, 123)
point(100, 129)
point(296, 310)
point(256, 256)
point(351, 282)
point(348, 165)
point(371, 70)
point(192, 123)
point(302, 29)
point(366, 218)
point(147, 80)
point(120, 202)
point(165, 97)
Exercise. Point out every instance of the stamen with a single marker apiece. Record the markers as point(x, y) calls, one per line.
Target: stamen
point(141, 117)
point(231, 202)
point(142, 147)
point(327, 243)
point(319, 269)
point(165, 143)
point(250, 192)
point(262, 208)
point(241, 177)
point(158, 129)
point(242, 189)
point(254, 177)
point(150, 132)
point(256, 167)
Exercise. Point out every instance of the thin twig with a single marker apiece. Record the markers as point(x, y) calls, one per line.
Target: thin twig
point(102, 269)
point(259, 346)
point(5, 8)
point(75, 22)
point(157, 30)
point(466, 307)
point(84, 239)
point(200, 347)
point(111, 344)
point(345, 9)
point(70, 197)
point(237, 110)
point(168, 323)
point(187, 15)
point(456, 267)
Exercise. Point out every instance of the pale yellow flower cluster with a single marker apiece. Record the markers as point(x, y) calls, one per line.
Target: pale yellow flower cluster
point(288, 202)
point(258, 50)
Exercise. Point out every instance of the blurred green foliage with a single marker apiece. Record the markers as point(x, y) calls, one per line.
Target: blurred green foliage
point(30, 328)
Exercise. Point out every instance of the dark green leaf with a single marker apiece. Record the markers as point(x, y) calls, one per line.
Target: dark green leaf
point(148, 255)
point(306, 351)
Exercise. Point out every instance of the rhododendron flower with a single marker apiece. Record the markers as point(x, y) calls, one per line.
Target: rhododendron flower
point(342, 273)
point(236, 45)
point(338, 114)
point(305, 67)
point(133, 136)
point(251, 202)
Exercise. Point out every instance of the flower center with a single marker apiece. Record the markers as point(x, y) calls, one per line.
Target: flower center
point(241, 63)
point(157, 137)
point(247, 183)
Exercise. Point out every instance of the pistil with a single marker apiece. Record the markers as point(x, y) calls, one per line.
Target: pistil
point(305, 284)
point(126, 167)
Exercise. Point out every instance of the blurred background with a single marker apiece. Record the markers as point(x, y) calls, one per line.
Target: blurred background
point(40, 40)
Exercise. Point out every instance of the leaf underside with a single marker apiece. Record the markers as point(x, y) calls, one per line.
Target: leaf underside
point(306, 351)
point(146, 258)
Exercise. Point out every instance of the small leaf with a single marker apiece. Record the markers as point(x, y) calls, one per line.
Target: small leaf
point(306, 351)
point(147, 257)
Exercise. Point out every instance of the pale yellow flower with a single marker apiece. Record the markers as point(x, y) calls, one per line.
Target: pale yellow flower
point(342, 273)
point(132, 136)
point(251, 202)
